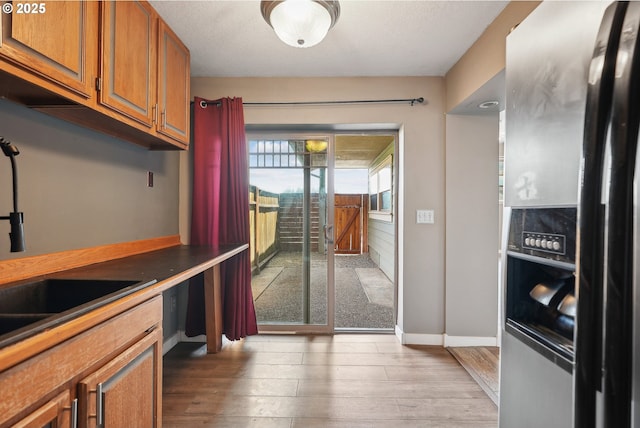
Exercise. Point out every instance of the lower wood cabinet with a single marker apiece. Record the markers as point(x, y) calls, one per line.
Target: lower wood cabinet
point(108, 376)
point(56, 413)
point(125, 392)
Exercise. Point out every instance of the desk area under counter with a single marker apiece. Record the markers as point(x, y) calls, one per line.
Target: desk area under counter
point(72, 371)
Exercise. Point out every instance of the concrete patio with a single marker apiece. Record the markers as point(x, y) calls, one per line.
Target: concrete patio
point(364, 295)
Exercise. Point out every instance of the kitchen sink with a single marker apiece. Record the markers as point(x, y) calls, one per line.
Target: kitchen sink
point(32, 307)
point(50, 296)
point(12, 322)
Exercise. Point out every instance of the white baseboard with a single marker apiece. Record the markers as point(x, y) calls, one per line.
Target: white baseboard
point(404, 338)
point(418, 339)
point(184, 338)
point(170, 343)
point(178, 337)
point(443, 339)
point(460, 341)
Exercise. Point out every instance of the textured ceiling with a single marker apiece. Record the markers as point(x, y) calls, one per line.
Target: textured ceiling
point(358, 151)
point(371, 38)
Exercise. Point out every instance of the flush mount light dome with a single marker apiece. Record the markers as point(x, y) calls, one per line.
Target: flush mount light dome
point(300, 23)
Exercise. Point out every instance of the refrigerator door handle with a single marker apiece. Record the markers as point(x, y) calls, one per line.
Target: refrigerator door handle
point(591, 215)
point(618, 333)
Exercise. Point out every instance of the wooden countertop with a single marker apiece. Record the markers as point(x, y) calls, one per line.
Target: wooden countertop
point(168, 266)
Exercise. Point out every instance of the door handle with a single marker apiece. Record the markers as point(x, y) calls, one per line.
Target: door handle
point(74, 413)
point(99, 406)
point(73, 410)
point(328, 233)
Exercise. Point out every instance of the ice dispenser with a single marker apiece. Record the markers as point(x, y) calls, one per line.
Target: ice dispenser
point(540, 282)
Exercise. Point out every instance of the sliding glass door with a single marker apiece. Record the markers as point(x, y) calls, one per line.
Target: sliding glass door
point(291, 203)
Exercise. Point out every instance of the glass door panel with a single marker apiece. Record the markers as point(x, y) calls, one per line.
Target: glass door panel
point(365, 232)
point(290, 218)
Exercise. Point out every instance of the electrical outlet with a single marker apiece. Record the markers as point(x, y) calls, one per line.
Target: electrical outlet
point(425, 217)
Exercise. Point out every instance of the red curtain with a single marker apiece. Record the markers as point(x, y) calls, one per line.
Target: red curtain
point(220, 213)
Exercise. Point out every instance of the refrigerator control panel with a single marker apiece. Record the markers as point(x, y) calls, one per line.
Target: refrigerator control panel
point(547, 242)
point(547, 233)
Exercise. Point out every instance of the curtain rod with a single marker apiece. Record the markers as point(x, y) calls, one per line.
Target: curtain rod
point(412, 101)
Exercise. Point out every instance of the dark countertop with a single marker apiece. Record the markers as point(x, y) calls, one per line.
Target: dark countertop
point(158, 271)
point(161, 265)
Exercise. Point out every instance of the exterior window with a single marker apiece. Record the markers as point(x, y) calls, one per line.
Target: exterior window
point(286, 154)
point(384, 188)
point(381, 189)
point(373, 192)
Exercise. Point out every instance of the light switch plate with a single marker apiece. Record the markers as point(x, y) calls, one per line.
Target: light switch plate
point(425, 217)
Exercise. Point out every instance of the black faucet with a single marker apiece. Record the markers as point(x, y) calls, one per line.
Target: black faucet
point(16, 218)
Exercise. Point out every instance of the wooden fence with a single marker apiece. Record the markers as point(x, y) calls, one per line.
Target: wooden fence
point(276, 224)
point(263, 220)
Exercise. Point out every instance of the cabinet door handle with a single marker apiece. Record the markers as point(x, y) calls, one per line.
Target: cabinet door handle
point(74, 413)
point(99, 406)
point(164, 118)
point(154, 113)
point(73, 409)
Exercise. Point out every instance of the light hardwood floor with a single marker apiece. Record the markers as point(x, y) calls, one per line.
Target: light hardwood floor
point(350, 381)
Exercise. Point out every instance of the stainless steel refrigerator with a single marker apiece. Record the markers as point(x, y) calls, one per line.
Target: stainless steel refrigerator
point(571, 327)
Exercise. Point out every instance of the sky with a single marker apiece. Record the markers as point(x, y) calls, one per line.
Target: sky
point(286, 180)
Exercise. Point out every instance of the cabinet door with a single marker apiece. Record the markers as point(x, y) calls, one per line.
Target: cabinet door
point(128, 70)
point(174, 78)
point(60, 412)
point(55, 41)
point(126, 392)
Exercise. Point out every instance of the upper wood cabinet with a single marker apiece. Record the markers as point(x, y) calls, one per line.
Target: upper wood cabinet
point(145, 69)
point(53, 42)
point(128, 68)
point(113, 66)
point(173, 85)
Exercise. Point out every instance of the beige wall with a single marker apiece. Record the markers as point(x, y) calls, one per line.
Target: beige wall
point(472, 235)
point(486, 57)
point(421, 156)
point(79, 188)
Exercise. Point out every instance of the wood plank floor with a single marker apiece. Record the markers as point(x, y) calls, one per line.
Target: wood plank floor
point(353, 381)
point(483, 364)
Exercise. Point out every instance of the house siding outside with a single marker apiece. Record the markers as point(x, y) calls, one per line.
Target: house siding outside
point(382, 246)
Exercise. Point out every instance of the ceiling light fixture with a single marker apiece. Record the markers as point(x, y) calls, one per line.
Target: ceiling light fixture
point(300, 23)
point(316, 146)
point(489, 104)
